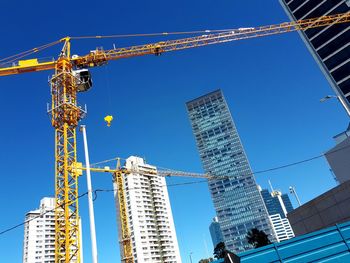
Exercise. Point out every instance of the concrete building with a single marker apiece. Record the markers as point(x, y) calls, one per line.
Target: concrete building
point(237, 200)
point(150, 218)
point(329, 45)
point(278, 206)
point(323, 211)
point(39, 233)
point(338, 157)
point(215, 232)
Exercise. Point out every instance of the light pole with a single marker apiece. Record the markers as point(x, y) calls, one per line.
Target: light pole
point(191, 256)
point(91, 203)
point(292, 191)
point(340, 99)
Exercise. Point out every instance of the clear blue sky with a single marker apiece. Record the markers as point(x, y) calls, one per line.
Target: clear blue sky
point(272, 86)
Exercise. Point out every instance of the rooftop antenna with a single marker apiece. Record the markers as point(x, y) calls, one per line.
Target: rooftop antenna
point(206, 246)
point(271, 186)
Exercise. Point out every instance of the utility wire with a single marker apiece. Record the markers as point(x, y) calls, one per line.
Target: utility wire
point(180, 184)
point(95, 197)
point(257, 172)
point(39, 216)
point(302, 161)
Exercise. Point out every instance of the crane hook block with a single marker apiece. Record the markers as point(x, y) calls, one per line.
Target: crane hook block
point(108, 119)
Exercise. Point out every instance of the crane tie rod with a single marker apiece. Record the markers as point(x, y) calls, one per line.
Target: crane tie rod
point(154, 34)
point(28, 52)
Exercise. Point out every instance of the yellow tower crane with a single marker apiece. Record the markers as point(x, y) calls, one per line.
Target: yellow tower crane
point(121, 206)
point(70, 78)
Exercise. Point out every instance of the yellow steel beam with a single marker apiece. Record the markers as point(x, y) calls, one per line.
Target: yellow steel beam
point(163, 173)
point(99, 57)
point(18, 68)
point(122, 214)
point(125, 238)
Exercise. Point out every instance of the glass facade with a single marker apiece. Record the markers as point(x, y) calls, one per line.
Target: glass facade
point(237, 200)
point(287, 203)
point(329, 45)
point(273, 203)
point(215, 232)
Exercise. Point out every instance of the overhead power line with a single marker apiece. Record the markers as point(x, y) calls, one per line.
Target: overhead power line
point(33, 218)
point(95, 194)
point(178, 184)
point(257, 172)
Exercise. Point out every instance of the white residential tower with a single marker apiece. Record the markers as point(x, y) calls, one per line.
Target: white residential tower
point(39, 233)
point(150, 218)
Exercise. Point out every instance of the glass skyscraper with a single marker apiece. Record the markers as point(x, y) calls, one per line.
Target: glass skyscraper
point(277, 203)
point(237, 200)
point(215, 232)
point(330, 45)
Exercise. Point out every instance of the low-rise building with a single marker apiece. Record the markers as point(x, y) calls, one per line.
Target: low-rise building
point(326, 210)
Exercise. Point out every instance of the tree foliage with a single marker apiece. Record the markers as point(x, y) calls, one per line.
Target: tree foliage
point(206, 260)
point(220, 250)
point(257, 238)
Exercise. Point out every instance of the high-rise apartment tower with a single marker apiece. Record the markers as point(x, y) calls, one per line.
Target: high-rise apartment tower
point(39, 234)
point(278, 206)
point(237, 200)
point(330, 45)
point(150, 218)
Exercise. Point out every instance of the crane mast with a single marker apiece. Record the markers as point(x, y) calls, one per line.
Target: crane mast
point(65, 115)
point(121, 206)
point(126, 254)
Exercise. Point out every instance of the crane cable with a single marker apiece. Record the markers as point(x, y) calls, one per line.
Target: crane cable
point(84, 194)
point(28, 52)
point(40, 48)
point(34, 50)
point(23, 54)
point(154, 34)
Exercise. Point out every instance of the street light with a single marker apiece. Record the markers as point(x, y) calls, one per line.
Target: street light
point(292, 191)
point(90, 200)
point(191, 256)
point(339, 99)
